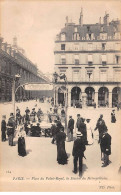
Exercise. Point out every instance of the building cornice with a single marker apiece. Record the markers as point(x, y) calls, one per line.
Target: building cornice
point(78, 41)
point(89, 83)
point(90, 52)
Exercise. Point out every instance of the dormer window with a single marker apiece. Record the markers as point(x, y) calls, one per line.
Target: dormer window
point(63, 37)
point(76, 36)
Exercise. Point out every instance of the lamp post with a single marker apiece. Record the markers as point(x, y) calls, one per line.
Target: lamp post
point(16, 78)
point(62, 76)
point(55, 75)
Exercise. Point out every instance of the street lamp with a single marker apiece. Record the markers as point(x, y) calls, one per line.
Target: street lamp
point(62, 76)
point(55, 75)
point(15, 79)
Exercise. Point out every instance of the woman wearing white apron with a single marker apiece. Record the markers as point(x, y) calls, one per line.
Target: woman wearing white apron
point(89, 132)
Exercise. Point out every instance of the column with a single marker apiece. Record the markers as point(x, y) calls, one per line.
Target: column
point(96, 99)
point(110, 100)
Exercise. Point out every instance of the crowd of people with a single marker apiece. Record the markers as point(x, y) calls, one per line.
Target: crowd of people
point(17, 126)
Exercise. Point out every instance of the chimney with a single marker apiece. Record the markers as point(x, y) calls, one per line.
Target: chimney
point(106, 19)
point(15, 42)
point(81, 17)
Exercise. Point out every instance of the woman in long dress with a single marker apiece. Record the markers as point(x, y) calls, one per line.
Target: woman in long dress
point(21, 142)
point(61, 152)
point(89, 132)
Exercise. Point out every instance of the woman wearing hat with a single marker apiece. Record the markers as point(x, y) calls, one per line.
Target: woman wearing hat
point(60, 139)
point(21, 142)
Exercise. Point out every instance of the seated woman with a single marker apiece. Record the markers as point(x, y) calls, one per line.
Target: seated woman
point(21, 142)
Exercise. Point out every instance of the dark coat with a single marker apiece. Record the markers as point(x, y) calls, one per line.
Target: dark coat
point(79, 121)
point(106, 144)
point(3, 125)
point(11, 124)
point(100, 126)
point(78, 147)
point(113, 118)
point(61, 152)
point(71, 124)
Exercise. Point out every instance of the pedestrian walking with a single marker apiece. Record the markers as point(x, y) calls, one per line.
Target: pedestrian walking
point(3, 128)
point(39, 113)
point(113, 117)
point(60, 139)
point(100, 126)
point(10, 129)
point(78, 152)
point(70, 128)
point(106, 146)
point(79, 121)
point(83, 129)
point(21, 142)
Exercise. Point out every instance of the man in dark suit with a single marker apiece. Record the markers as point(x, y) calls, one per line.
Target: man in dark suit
point(106, 146)
point(78, 152)
point(100, 126)
point(79, 121)
point(70, 128)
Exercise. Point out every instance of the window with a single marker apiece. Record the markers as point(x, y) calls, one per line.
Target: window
point(117, 46)
point(76, 75)
point(63, 59)
point(90, 60)
point(104, 59)
point(89, 46)
point(103, 46)
point(63, 37)
point(76, 36)
point(62, 70)
point(103, 75)
point(62, 46)
point(117, 75)
point(76, 47)
point(117, 59)
point(76, 59)
point(89, 75)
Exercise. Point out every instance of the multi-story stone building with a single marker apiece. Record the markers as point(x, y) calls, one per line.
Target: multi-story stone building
point(12, 62)
point(89, 56)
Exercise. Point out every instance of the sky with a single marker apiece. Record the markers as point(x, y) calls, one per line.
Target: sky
point(36, 24)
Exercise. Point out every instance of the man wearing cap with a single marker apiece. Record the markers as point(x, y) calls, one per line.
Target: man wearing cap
point(100, 126)
point(70, 128)
point(10, 129)
point(106, 146)
point(3, 128)
point(78, 152)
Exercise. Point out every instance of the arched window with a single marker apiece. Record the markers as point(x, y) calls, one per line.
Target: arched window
point(76, 36)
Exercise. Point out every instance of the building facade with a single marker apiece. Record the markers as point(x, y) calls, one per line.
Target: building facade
point(89, 56)
point(12, 62)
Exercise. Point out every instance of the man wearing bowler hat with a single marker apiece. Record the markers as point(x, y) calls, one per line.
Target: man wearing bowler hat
point(78, 152)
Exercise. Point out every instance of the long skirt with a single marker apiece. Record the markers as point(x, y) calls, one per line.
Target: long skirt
point(21, 146)
point(10, 140)
point(89, 137)
point(61, 153)
point(3, 136)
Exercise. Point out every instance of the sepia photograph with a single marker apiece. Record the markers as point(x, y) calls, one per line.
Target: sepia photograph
point(60, 96)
